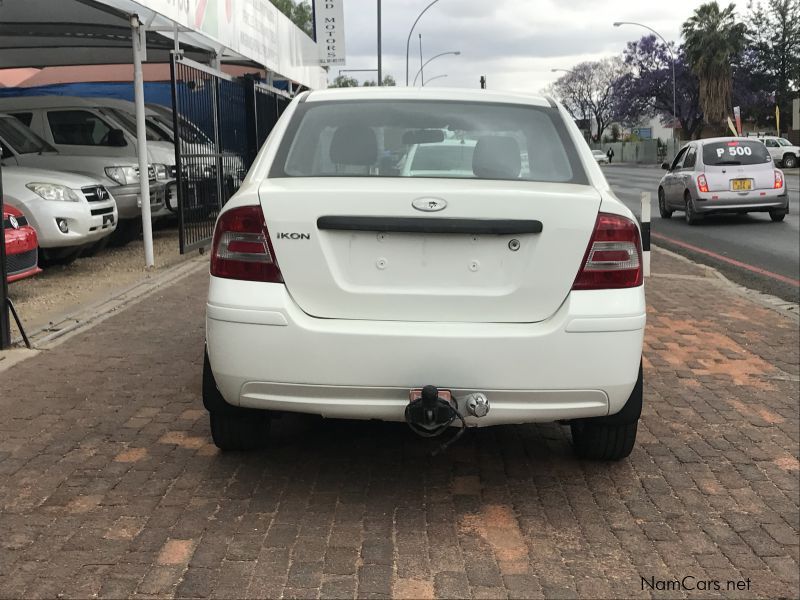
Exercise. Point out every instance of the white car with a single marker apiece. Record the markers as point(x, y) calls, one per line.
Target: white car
point(782, 151)
point(447, 158)
point(600, 156)
point(69, 212)
point(341, 289)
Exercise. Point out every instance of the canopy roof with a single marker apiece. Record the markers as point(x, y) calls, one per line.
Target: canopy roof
point(42, 33)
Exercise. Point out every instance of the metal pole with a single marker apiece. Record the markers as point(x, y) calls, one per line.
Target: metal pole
point(421, 74)
point(430, 60)
point(380, 68)
point(674, 102)
point(5, 323)
point(645, 224)
point(408, 41)
point(137, 33)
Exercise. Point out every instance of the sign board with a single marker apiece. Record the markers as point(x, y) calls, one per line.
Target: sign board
point(330, 31)
point(254, 29)
point(644, 133)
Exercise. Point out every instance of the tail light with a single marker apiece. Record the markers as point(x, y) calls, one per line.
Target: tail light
point(613, 258)
point(702, 184)
point(778, 180)
point(242, 249)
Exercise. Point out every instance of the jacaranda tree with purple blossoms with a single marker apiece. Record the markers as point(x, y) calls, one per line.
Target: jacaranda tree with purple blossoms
point(645, 89)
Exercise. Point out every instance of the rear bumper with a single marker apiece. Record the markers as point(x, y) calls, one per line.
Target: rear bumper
point(582, 362)
point(742, 201)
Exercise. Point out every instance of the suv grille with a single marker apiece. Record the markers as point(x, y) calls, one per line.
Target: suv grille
point(95, 193)
point(17, 263)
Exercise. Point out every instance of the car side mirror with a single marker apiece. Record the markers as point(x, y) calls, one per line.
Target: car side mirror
point(665, 166)
point(116, 137)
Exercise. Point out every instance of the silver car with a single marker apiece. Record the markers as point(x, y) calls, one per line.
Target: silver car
point(722, 175)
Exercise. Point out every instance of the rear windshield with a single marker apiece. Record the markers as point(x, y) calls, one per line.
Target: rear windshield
point(412, 138)
point(735, 152)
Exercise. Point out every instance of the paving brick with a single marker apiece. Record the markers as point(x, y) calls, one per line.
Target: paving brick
point(110, 486)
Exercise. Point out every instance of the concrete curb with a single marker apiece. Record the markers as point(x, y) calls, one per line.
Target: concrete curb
point(779, 305)
point(68, 325)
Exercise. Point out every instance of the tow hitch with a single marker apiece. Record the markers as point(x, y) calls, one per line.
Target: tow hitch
point(431, 412)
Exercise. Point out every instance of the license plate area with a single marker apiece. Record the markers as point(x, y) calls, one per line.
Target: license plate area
point(415, 394)
point(741, 185)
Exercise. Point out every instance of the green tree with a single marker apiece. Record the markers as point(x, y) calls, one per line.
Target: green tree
point(774, 36)
point(298, 13)
point(344, 81)
point(388, 80)
point(712, 40)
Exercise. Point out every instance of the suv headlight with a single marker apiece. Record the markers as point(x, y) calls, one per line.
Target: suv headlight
point(161, 171)
point(123, 175)
point(53, 191)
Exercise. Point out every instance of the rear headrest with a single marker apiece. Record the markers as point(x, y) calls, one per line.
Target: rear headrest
point(354, 145)
point(496, 157)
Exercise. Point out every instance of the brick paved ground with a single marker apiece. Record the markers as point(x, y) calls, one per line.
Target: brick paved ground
point(109, 484)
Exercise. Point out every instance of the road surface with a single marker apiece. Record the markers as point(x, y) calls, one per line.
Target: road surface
point(749, 249)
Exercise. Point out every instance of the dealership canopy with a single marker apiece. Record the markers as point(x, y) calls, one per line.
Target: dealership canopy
point(42, 33)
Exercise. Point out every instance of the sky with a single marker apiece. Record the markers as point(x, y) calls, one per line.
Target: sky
point(515, 43)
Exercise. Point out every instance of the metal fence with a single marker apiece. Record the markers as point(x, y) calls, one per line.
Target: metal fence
point(220, 122)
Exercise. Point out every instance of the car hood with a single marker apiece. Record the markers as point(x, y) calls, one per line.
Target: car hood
point(24, 175)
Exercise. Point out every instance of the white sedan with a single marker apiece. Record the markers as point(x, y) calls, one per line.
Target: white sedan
point(69, 212)
point(600, 156)
point(341, 288)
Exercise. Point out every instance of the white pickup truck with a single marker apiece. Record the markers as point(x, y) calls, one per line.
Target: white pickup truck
point(783, 152)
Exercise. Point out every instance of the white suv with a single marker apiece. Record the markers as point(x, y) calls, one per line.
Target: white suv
point(782, 151)
point(341, 288)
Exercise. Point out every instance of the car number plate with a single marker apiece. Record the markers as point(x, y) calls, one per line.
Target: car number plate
point(741, 185)
point(108, 220)
point(417, 393)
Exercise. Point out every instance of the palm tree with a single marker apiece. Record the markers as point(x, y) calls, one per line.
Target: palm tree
point(712, 39)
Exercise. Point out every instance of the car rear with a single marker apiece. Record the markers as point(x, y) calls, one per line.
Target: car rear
point(738, 175)
point(21, 246)
point(337, 289)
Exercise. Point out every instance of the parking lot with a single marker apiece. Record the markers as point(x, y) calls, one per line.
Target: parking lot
point(110, 485)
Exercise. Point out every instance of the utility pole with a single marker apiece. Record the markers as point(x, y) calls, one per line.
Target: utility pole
point(380, 70)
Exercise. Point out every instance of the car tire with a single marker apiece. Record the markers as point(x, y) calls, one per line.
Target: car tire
point(127, 230)
point(96, 247)
point(662, 205)
point(613, 437)
point(232, 428)
point(692, 218)
point(789, 161)
point(777, 215)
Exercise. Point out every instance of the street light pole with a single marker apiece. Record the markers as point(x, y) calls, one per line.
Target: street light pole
point(437, 77)
point(422, 75)
point(380, 69)
point(427, 62)
point(672, 55)
point(408, 41)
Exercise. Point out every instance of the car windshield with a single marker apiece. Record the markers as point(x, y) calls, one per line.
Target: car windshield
point(735, 152)
point(21, 139)
point(784, 142)
point(128, 121)
point(376, 138)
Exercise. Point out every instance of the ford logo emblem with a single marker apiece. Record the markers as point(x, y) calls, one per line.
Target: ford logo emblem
point(429, 204)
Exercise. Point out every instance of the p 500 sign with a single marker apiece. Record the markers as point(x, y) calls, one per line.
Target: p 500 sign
point(329, 22)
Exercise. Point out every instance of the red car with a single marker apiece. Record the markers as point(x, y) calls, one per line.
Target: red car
point(21, 245)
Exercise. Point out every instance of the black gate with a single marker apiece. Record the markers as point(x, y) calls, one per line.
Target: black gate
point(220, 122)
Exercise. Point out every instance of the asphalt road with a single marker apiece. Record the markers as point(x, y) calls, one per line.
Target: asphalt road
point(749, 249)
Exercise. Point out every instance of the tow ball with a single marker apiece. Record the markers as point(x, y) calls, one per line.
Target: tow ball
point(432, 413)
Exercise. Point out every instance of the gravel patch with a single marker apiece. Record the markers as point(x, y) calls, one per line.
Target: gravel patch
point(60, 290)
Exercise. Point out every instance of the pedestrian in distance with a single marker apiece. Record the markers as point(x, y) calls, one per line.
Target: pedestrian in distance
point(610, 154)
